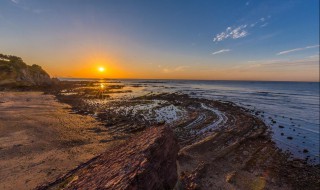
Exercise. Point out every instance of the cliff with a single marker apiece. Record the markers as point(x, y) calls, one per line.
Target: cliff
point(14, 72)
point(147, 161)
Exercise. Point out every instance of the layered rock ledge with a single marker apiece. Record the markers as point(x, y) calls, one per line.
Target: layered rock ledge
point(147, 161)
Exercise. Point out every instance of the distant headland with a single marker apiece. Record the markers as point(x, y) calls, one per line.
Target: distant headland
point(14, 72)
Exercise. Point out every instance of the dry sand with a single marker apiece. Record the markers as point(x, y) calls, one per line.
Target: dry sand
point(40, 139)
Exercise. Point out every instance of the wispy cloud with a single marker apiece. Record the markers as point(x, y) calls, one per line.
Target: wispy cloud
point(234, 33)
point(314, 56)
point(297, 49)
point(279, 65)
point(310, 60)
point(264, 25)
point(24, 6)
point(270, 61)
point(221, 51)
point(175, 69)
point(240, 31)
point(15, 1)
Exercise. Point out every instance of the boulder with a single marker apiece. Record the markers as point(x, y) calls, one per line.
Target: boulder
point(146, 161)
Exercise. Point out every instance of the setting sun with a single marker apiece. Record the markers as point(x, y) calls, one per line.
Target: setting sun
point(101, 69)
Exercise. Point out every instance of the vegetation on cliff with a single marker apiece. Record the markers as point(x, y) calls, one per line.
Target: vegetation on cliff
point(15, 72)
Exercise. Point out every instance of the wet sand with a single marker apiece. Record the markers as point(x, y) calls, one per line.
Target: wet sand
point(40, 139)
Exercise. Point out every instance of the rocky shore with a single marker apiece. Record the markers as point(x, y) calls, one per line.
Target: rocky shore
point(202, 144)
point(223, 146)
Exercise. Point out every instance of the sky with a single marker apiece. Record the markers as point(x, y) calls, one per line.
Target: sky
point(268, 40)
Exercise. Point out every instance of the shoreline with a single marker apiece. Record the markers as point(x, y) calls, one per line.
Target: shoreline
point(238, 143)
point(286, 172)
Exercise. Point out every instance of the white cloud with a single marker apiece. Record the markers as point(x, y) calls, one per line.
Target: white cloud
point(15, 1)
point(297, 49)
point(221, 51)
point(240, 31)
point(176, 69)
point(266, 61)
point(314, 56)
point(20, 4)
point(263, 25)
point(247, 3)
point(310, 60)
point(181, 68)
point(253, 24)
point(220, 37)
point(234, 33)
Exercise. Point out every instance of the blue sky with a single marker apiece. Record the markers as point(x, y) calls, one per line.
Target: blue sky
point(227, 40)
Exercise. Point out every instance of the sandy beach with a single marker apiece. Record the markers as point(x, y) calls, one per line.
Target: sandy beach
point(40, 139)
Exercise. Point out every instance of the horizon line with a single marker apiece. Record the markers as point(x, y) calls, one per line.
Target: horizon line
point(183, 79)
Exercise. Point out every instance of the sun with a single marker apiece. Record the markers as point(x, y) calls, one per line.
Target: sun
point(101, 69)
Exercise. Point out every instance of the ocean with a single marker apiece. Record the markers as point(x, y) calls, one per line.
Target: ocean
point(291, 109)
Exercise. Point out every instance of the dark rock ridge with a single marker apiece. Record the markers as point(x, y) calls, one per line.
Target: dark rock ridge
point(14, 72)
point(147, 161)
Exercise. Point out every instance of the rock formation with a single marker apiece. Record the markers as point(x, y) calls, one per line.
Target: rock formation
point(146, 161)
point(14, 72)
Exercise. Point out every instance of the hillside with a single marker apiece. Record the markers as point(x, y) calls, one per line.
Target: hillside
point(15, 72)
